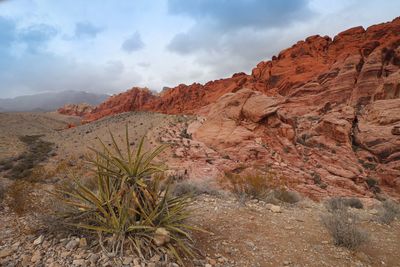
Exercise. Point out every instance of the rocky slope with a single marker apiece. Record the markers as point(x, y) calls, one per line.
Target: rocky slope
point(76, 109)
point(325, 112)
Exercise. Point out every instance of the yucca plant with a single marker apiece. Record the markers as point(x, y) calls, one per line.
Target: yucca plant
point(128, 205)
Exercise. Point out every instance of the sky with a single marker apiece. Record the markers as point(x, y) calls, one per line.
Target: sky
point(110, 46)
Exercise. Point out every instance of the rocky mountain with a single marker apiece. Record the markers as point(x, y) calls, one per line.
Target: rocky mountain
point(324, 113)
point(49, 101)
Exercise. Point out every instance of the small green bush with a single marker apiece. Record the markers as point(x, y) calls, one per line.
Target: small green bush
point(373, 185)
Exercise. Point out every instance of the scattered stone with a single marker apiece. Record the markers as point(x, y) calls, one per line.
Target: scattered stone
point(161, 236)
point(65, 254)
point(127, 260)
point(82, 242)
point(136, 262)
point(79, 262)
point(155, 258)
point(38, 240)
point(72, 244)
point(93, 258)
point(273, 208)
point(287, 263)
point(37, 256)
point(5, 253)
point(373, 212)
point(212, 261)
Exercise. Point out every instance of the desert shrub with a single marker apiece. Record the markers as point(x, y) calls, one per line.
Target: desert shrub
point(342, 226)
point(391, 210)
point(2, 192)
point(338, 203)
point(185, 134)
point(373, 185)
point(287, 196)
point(193, 188)
point(318, 181)
point(251, 185)
point(19, 199)
point(267, 186)
point(354, 202)
point(129, 207)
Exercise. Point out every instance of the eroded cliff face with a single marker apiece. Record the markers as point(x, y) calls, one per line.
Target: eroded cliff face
point(324, 112)
point(330, 118)
point(133, 99)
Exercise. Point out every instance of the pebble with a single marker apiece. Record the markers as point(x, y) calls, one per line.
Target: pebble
point(82, 242)
point(93, 258)
point(273, 208)
point(80, 262)
point(5, 253)
point(287, 263)
point(37, 256)
point(38, 240)
point(127, 260)
point(72, 244)
point(65, 254)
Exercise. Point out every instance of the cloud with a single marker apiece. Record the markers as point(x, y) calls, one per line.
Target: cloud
point(7, 33)
point(115, 67)
point(36, 36)
point(231, 15)
point(219, 19)
point(232, 36)
point(27, 67)
point(133, 43)
point(87, 30)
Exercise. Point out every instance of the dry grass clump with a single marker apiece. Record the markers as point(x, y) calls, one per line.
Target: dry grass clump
point(193, 188)
point(391, 211)
point(338, 203)
point(2, 192)
point(129, 209)
point(267, 186)
point(342, 225)
point(287, 196)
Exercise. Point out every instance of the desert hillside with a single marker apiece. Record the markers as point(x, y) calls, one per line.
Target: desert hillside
point(295, 164)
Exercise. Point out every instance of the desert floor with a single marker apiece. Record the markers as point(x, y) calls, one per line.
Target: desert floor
point(240, 233)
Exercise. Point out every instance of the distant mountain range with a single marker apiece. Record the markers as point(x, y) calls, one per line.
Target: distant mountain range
point(49, 101)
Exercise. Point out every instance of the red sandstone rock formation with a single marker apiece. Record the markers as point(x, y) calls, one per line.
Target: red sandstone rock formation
point(331, 119)
point(324, 112)
point(76, 109)
point(133, 99)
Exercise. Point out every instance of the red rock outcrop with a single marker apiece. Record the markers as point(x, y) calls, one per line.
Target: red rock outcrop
point(325, 112)
point(133, 99)
point(331, 119)
point(76, 109)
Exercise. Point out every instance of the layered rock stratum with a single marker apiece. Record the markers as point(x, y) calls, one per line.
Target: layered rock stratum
point(325, 113)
